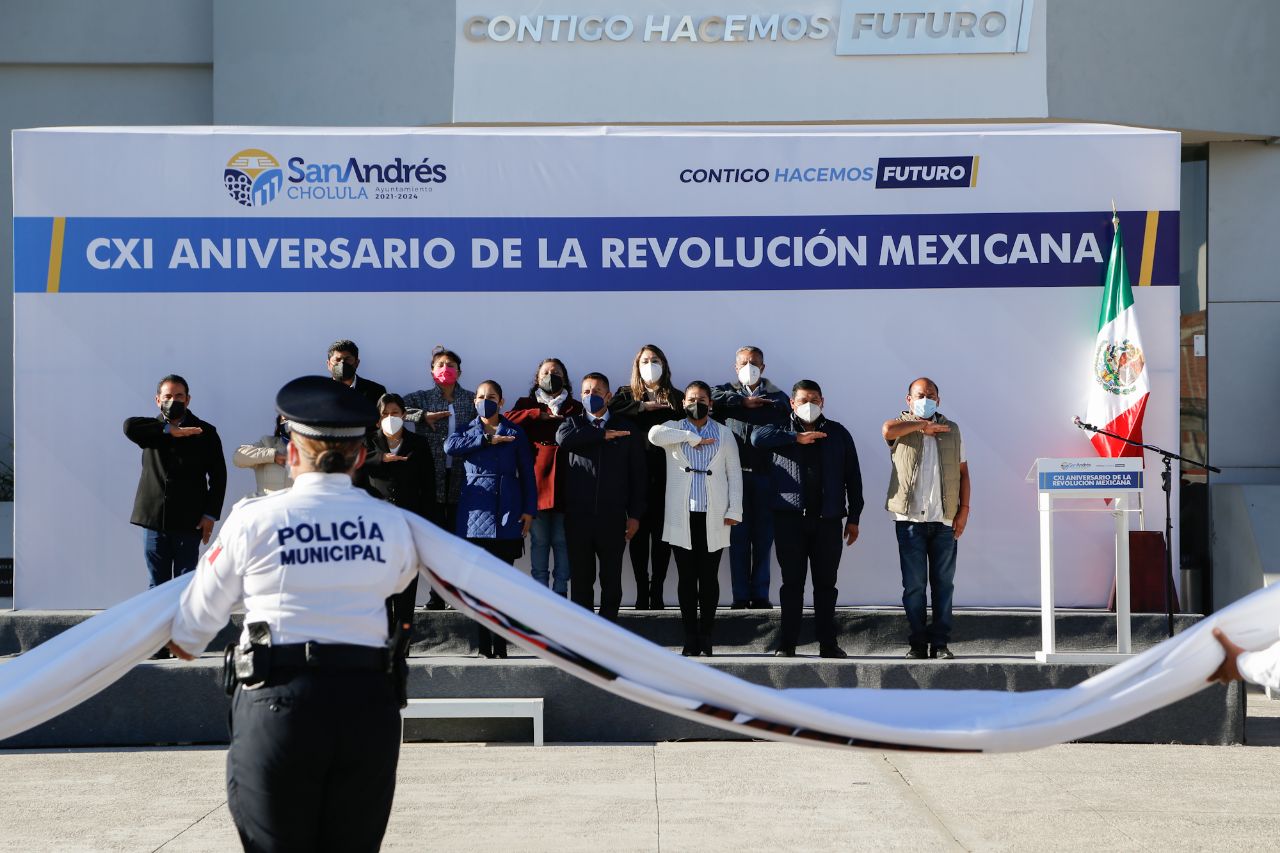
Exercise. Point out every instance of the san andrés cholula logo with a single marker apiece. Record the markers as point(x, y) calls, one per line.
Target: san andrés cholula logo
point(254, 178)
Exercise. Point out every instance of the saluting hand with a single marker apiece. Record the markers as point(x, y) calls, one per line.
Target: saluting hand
point(391, 457)
point(705, 442)
point(809, 437)
point(611, 434)
point(434, 418)
point(755, 402)
point(930, 428)
point(183, 432)
point(501, 439)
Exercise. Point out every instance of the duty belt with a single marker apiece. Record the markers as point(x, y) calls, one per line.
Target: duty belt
point(330, 656)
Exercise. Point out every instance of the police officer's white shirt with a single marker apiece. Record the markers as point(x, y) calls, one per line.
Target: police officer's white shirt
point(1261, 667)
point(316, 563)
point(926, 500)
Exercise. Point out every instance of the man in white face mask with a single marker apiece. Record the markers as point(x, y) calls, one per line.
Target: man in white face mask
point(929, 499)
point(744, 405)
point(817, 502)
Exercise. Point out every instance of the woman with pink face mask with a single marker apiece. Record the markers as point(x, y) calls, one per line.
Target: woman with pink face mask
point(436, 413)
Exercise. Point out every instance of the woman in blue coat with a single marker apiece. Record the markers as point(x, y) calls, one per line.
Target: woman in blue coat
point(499, 496)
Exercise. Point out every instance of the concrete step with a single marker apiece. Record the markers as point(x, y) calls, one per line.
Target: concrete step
point(864, 631)
point(163, 702)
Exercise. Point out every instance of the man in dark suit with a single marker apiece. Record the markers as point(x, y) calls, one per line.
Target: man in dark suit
point(343, 360)
point(183, 482)
point(817, 487)
point(605, 477)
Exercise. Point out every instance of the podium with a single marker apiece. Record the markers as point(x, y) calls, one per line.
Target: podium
point(1059, 483)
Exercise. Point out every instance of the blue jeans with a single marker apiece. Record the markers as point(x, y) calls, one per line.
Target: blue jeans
point(927, 552)
point(170, 554)
point(751, 540)
point(546, 537)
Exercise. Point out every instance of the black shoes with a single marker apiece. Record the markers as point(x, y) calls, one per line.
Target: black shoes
point(832, 651)
point(163, 654)
point(941, 652)
point(435, 602)
point(738, 605)
point(704, 646)
point(917, 653)
point(760, 604)
point(785, 652)
point(642, 602)
point(690, 650)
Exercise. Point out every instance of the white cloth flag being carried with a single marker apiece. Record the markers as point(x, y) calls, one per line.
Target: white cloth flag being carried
point(1119, 391)
point(71, 667)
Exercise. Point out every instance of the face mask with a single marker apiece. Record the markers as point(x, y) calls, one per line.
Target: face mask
point(173, 409)
point(923, 407)
point(809, 412)
point(552, 383)
point(593, 403)
point(748, 374)
point(696, 411)
point(487, 408)
point(392, 425)
point(445, 374)
point(651, 371)
point(343, 372)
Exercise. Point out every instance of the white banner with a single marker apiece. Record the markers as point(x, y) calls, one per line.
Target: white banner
point(858, 258)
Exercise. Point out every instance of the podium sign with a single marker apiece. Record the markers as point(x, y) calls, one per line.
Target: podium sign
point(1058, 482)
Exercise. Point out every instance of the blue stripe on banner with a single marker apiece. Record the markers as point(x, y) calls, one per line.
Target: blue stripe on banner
point(1068, 480)
point(907, 251)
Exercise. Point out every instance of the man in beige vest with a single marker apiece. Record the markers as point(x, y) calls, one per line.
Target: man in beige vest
point(929, 499)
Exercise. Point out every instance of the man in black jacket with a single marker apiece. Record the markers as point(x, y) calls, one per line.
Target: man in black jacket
point(744, 406)
point(343, 360)
point(817, 503)
point(183, 482)
point(605, 477)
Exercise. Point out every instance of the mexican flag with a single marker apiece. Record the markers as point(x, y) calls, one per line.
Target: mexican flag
point(1119, 390)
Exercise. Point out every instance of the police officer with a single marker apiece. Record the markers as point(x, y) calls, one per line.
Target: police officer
point(315, 723)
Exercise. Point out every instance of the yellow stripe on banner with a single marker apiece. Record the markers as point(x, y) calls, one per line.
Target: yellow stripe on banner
point(55, 254)
point(1149, 248)
point(973, 178)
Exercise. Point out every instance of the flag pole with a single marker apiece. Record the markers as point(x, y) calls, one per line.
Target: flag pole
point(1115, 216)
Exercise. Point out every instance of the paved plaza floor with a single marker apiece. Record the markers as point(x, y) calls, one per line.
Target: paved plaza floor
point(701, 796)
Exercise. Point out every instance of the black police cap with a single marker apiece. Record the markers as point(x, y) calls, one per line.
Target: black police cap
point(319, 407)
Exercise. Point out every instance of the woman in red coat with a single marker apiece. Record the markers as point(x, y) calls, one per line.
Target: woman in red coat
point(540, 414)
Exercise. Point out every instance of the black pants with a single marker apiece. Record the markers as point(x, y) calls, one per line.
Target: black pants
point(647, 546)
point(699, 589)
point(508, 551)
point(446, 519)
point(312, 764)
point(803, 544)
point(593, 538)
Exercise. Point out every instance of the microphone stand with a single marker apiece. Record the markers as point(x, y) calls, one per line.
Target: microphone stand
point(1166, 478)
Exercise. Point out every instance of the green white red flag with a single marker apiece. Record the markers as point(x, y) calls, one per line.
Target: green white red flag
point(1119, 390)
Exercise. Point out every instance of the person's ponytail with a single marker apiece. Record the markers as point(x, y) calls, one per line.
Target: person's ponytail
point(333, 461)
